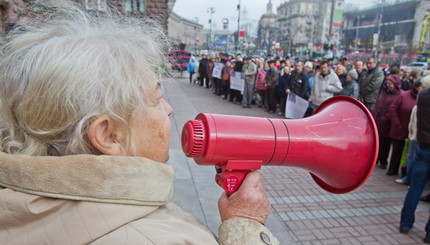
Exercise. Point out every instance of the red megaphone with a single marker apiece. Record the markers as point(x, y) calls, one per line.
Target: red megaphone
point(338, 144)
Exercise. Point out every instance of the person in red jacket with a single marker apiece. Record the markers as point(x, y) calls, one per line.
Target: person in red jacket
point(259, 82)
point(389, 92)
point(400, 113)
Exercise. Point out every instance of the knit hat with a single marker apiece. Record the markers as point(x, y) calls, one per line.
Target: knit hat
point(353, 73)
point(308, 64)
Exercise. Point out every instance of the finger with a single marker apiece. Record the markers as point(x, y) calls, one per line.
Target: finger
point(252, 180)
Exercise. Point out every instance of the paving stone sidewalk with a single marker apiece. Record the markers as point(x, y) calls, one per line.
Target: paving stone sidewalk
point(302, 213)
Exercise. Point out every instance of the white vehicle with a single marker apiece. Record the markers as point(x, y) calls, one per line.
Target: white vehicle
point(420, 66)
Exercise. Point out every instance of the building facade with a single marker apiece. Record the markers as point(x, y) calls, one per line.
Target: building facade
point(182, 30)
point(304, 24)
point(389, 28)
point(9, 11)
point(156, 9)
point(268, 30)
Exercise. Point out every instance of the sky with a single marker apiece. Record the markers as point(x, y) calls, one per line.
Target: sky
point(251, 10)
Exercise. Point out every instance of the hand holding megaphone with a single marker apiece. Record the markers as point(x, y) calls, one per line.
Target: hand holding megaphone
point(250, 201)
point(338, 144)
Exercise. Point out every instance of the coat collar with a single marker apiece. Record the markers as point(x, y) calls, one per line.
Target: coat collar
point(106, 179)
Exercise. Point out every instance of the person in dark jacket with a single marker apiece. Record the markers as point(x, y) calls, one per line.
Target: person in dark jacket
point(389, 92)
point(203, 77)
point(371, 84)
point(350, 86)
point(408, 82)
point(235, 95)
point(341, 74)
point(282, 87)
point(298, 82)
point(400, 114)
point(421, 170)
point(271, 82)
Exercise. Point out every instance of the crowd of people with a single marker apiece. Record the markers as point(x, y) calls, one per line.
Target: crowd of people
point(268, 81)
point(390, 94)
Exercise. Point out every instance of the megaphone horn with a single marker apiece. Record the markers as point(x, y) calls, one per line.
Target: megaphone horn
point(338, 144)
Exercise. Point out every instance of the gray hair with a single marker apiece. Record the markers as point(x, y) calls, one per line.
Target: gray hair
point(56, 77)
point(425, 81)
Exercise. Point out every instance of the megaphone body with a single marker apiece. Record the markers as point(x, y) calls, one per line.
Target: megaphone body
point(338, 144)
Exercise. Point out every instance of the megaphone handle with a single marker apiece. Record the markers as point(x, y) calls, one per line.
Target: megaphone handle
point(231, 176)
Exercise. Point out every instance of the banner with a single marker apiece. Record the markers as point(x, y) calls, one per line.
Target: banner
point(217, 70)
point(338, 13)
point(237, 81)
point(296, 106)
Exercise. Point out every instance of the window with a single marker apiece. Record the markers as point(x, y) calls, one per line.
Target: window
point(128, 5)
point(135, 5)
point(141, 5)
point(99, 5)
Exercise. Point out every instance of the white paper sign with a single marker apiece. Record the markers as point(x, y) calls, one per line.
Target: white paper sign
point(217, 70)
point(296, 106)
point(237, 81)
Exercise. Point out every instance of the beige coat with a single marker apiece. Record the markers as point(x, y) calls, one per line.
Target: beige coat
point(86, 199)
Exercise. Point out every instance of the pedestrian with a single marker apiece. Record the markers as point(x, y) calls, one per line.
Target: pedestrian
point(235, 95)
point(191, 68)
point(341, 74)
point(298, 82)
point(217, 75)
point(209, 70)
point(407, 83)
point(389, 92)
point(308, 68)
point(371, 84)
point(350, 88)
point(225, 84)
point(359, 67)
point(203, 77)
point(282, 88)
point(259, 82)
point(84, 162)
point(399, 113)
point(325, 85)
point(345, 63)
point(271, 82)
point(249, 69)
point(420, 172)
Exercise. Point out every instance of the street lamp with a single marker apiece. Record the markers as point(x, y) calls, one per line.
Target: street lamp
point(238, 28)
point(356, 32)
point(196, 21)
point(308, 29)
point(211, 10)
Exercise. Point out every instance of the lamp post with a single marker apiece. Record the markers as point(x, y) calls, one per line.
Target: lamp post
point(238, 28)
point(356, 32)
point(196, 21)
point(308, 29)
point(211, 10)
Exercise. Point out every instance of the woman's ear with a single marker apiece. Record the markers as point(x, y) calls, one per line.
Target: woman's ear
point(106, 136)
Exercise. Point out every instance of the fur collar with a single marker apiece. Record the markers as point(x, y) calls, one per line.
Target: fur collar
point(107, 179)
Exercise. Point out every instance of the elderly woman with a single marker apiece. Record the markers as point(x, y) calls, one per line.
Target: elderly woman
point(84, 137)
point(341, 74)
point(389, 92)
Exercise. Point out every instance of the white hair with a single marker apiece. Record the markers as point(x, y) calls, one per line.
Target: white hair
point(56, 77)
point(425, 81)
